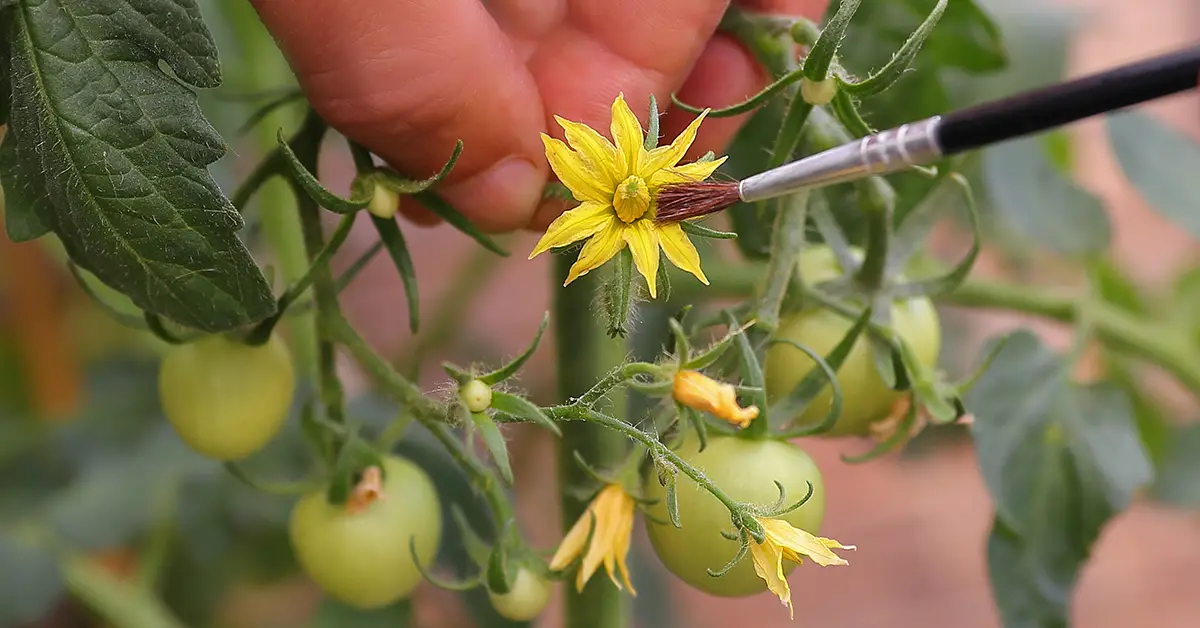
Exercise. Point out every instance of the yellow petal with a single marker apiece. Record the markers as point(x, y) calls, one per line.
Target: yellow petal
point(696, 390)
point(627, 135)
point(679, 250)
point(601, 248)
point(768, 564)
point(696, 171)
point(622, 542)
point(574, 225)
point(607, 509)
point(577, 174)
point(667, 156)
point(817, 549)
point(594, 147)
point(643, 243)
point(572, 544)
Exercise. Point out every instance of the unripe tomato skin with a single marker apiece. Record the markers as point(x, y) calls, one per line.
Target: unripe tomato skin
point(865, 397)
point(363, 559)
point(525, 600)
point(746, 470)
point(226, 399)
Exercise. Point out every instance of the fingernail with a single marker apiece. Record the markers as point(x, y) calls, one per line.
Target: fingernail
point(501, 198)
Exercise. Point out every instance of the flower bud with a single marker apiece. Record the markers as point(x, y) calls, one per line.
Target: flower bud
point(696, 390)
point(818, 93)
point(385, 202)
point(476, 395)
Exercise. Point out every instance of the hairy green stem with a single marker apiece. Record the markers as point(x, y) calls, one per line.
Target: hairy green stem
point(585, 355)
point(786, 242)
point(1147, 340)
point(307, 146)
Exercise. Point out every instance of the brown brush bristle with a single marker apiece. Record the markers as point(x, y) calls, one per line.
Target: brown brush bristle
point(693, 199)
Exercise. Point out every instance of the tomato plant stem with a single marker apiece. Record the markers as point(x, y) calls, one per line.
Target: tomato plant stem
point(585, 355)
point(786, 241)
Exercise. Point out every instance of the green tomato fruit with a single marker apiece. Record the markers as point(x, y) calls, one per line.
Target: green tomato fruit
point(746, 470)
point(865, 397)
point(227, 399)
point(525, 600)
point(363, 558)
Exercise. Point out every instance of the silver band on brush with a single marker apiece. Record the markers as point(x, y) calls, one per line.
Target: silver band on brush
point(885, 152)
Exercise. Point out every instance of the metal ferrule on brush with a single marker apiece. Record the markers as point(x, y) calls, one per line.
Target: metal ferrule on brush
point(882, 153)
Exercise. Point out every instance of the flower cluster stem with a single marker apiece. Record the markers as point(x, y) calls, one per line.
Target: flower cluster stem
point(585, 355)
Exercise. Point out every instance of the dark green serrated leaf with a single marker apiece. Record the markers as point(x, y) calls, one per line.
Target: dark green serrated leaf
point(313, 187)
point(1060, 460)
point(446, 212)
point(1030, 194)
point(30, 584)
point(523, 409)
point(493, 439)
point(510, 369)
point(1162, 163)
point(28, 214)
point(129, 148)
point(397, 248)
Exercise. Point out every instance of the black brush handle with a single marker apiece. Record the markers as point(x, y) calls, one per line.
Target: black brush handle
point(1057, 105)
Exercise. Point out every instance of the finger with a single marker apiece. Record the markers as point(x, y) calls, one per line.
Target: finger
point(409, 79)
point(811, 9)
point(725, 75)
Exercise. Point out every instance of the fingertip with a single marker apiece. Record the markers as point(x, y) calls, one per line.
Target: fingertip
point(724, 75)
point(501, 198)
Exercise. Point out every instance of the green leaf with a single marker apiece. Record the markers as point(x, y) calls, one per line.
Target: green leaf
point(334, 614)
point(397, 248)
point(886, 76)
point(446, 212)
point(510, 369)
point(1163, 163)
point(313, 187)
point(31, 582)
point(496, 445)
point(523, 409)
point(1032, 197)
point(1060, 460)
point(967, 37)
point(129, 148)
point(28, 214)
point(1178, 481)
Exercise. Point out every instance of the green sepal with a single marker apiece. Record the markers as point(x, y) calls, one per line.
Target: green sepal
point(444, 210)
point(493, 439)
point(619, 295)
point(363, 186)
point(886, 76)
point(822, 53)
point(523, 409)
point(510, 369)
point(312, 187)
point(397, 248)
point(698, 230)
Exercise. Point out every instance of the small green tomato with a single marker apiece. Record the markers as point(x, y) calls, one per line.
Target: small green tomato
point(526, 599)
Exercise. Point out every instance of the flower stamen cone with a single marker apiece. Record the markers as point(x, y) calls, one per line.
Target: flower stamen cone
point(615, 183)
point(784, 541)
point(696, 390)
point(368, 491)
point(609, 520)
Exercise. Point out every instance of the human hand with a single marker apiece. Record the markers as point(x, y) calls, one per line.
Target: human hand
point(408, 78)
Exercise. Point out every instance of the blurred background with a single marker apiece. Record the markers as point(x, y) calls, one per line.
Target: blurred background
point(84, 454)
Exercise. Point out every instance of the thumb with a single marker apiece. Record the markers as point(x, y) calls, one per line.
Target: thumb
point(409, 79)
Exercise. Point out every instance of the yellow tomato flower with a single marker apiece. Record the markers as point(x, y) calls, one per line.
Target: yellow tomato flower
point(785, 541)
point(615, 184)
point(612, 511)
point(696, 390)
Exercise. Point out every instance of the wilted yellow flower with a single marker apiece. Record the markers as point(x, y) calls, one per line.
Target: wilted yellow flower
point(615, 184)
point(785, 541)
point(612, 510)
point(696, 390)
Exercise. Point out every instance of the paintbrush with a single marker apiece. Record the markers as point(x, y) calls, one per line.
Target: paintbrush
point(926, 141)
